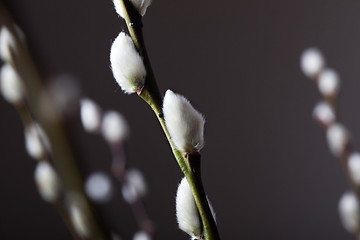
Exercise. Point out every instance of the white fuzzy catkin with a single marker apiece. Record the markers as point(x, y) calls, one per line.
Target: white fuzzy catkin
point(141, 235)
point(98, 187)
point(79, 220)
point(185, 124)
point(47, 181)
point(7, 45)
point(349, 212)
point(135, 186)
point(328, 83)
point(90, 114)
point(354, 167)
point(186, 210)
point(324, 113)
point(129, 193)
point(114, 127)
point(337, 137)
point(119, 7)
point(140, 5)
point(36, 141)
point(312, 62)
point(137, 180)
point(127, 65)
point(11, 86)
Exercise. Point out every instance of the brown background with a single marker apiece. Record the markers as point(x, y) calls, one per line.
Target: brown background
point(266, 166)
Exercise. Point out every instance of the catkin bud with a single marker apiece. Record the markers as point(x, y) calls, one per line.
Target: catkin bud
point(79, 214)
point(186, 210)
point(11, 85)
point(140, 5)
point(329, 83)
point(129, 193)
point(127, 65)
point(338, 138)
point(7, 45)
point(114, 127)
point(312, 62)
point(324, 114)
point(47, 181)
point(354, 167)
point(98, 187)
point(90, 114)
point(136, 179)
point(80, 220)
point(135, 186)
point(141, 235)
point(349, 212)
point(36, 141)
point(185, 124)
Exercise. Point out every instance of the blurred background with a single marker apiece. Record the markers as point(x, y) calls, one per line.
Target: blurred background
point(266, 165)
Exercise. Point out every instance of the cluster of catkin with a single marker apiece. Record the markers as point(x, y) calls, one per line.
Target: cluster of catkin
point(337, 135)
point(37, 144)
point(111, 125)
point(184, 126)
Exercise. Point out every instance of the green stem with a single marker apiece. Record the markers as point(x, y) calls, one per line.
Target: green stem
point(190, 166)
point(130, 14)
point(148, 97)
point(150, 94)
point(194, 179)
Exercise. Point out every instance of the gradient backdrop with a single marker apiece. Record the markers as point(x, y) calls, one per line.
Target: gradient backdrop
point(266, 166)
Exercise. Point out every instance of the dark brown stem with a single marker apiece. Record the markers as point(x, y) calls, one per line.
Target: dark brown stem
point(119, 171)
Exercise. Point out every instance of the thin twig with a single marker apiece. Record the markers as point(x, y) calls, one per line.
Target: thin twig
point(150, 93)
point(63, 157)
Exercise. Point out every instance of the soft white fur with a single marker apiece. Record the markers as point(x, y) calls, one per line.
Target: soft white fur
point(114, 127)
point(140, 5)
point(79, 220)
point(349, 212)
point(135, 186)
point(186, 210)
point(36, 141)
point(7, 44)
point(90, 114)
point(329, 83)
point(324, 113)
point(354, 167)
point(137, 180)
point(185, 124)
point(11, 86)
point(126, 64)
point(312, 62)
point(337, 137)
point(47, 181)
point(98, 187)
point(141, 235)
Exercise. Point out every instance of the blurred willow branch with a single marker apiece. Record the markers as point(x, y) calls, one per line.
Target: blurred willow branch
point(33, 105)
point(189, 162)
